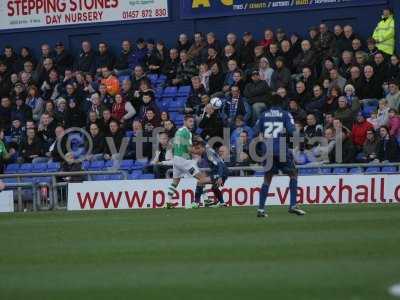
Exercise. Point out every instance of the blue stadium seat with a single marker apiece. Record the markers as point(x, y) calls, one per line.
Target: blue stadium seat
point(12, 168)
point(175, 106)
point(163, 104)
point(390, 169)
point(85, 165)
point(25, 168)
point(356, 170)
point(135, 175)
point(308, 171)
point(39, 167)
point(259, 173)
point(139, 164)
point(372, 170)
point(38, 180)
point(116, 177)
point(147, 176)
point(325, 171)
point(100, 177)
point(126, 164)
point(10, 180)
point(339, 171)
point(170, 91)
point(158, 92)
point(129, 133)
point(161, 79)
point(184, 90)
point(123, 77)
point(53, 167)
point(96, 165)
point(152, 77)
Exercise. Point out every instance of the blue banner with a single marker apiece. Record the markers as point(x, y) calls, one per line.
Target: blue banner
point(192, 9)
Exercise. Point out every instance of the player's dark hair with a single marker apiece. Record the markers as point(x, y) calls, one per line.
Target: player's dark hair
point(275, 100)
point(186, 117)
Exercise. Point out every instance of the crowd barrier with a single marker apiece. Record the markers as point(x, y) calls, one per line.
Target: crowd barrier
point(51, 193)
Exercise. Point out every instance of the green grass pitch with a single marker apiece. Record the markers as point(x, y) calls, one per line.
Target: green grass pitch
point(335, 252)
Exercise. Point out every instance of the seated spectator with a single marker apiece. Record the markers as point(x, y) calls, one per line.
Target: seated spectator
point(62, 58)
point(370, 147)
point(57, 150)
point(46, 130)
point(185, 71)
point(148, 102)
point(138, 77)
point(281, 77)
point(136, 146)
point(296, 111)
point(204, 75)
point(196, 93)
point(312, 129)
point(346, 113)
point(93, 119)
point(331, 102)
point(98, 143)
point(359, 131)
point(21, 111)
point(74, 116)
point(86, 61)
point(394, 124)
point(350, 94)
point(381, 67)
point(348, 151)
point(70, 164)
point(241, 150)
point(5, 113)
point(370, 86)
point(121, 67)
point(104, 59)
point(336, 79)
point(393, 97)
point(122, 111)
point(212, 57)
point(18, 92)
point(51, 88)
point(216, 79)
point(394, 67)
point(31, 147)
point(197, 47)
point(157, 58)
point(170, 67)
point(110, 81)
point(265, 70)
point(305, 58)
point(150, 122)
point(246, 50)
point(16, 132)
point(388, 148)
point(106, 99)
point(373, 120)
point(239, 127)
point(236, 105)
point(96, 105)
point(170, 128)
point(257, 92)
point(35, 102)
point(231, 69)
point(301, 94)
point(383, 113)
point(317, 103)
point(139, 54)
point(114, 141)
point(323, 152)
point(61, 111)
point(162, 160)
point(211, 123)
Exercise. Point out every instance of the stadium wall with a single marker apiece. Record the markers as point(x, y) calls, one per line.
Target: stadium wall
point(364, 19)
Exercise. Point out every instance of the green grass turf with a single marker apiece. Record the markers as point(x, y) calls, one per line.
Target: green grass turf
point(347, 252)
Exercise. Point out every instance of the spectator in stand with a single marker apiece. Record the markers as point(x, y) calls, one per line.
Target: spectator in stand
point(5, 155)
point(171, 65)
point(183, 42)
point(96, 105)
point(355, 79)
point(98, 143)
point(296, 111)
point(356, 45)
point(195, 50)
point(345, 113)
point(383, 113)
point(348, 37)
point(326, 40)
point(122, 110)
point(138, 76)
point(86, 61)
point(185, 71)
point(162, 160)
point(164, 117)
point(234, 106)
point(393, 97)
point(139, 55)
point(31, 147)
point(62, 58)
point(306, 57)
point(211, 123)
point(348, 152)
point(114, 141)
point(361, 58)
point(121, 67)
point(246, 50)
point(231, 39)
point(265, 70)
point(281, 77)
point(239, 81)
point(228, 55)
point(74, 116)
point(157, 58)
point(257, 92)
point(350, 94)
point(106, 119)
point(370, 147)
point(268, 38)
point(370, 88)
point(359, 131)
point(312, 129)
point(204, 75)
point(194, 100)
point(60, 143)
point(24, 56)
point(388, 148)
point(345, 64)
point(148, 103)
point(394, 124)
point(21, 111)
point(60, 111)
point(336, 79)
point(371, 50)
point(170, 128)
point(92, 119)
point(301, 94)
point(272, 54)
point(46, 130)
point(5, 113)
point(238, 128)
point(381, 68)
point(232, 68)
point(110, 81)
point(216, 79)
point(394, 68)
point(384, 33)
point(35, 102)
point(331, 102)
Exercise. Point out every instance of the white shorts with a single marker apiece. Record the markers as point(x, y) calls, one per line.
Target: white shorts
point(182, 167)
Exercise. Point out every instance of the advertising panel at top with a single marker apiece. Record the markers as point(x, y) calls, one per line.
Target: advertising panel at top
point(26, 14)
point(192, 9)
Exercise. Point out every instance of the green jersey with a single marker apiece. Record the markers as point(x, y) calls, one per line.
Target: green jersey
point(182, 143)
point(3, 150)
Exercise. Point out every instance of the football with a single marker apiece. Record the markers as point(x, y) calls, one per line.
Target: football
point(216, 102)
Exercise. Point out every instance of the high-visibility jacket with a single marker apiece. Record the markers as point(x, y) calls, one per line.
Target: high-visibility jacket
point(112, 84)
point(384, 35)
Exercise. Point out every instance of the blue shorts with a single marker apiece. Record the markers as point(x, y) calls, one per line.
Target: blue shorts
point(287, 167)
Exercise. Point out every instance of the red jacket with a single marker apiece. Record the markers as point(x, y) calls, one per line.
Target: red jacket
point(394, 126)
point(359, 132)
point(265, 43)
point(118, 110)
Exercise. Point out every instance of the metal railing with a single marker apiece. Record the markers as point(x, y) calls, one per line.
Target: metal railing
point(57, 190)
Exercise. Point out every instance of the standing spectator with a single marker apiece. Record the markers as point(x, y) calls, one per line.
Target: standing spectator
point(121, 63)
point(86, 62)
point(35, 102)
point(383, 113)
point(31, 147)
point(216, 79)
point(246, 50)
point(74, 116)
point(388, 149)
point(139, 55)
point(257, 92)
point(62, 58)
point(157, 58)
point(162, 160)
point(370, 147)
point(197, 47)
point(384, 33)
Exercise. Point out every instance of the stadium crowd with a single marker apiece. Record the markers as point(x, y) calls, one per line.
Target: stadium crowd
point(333, 82)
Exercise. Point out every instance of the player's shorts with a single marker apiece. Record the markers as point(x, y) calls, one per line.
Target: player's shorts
point(182, 167)
point(214, 177)
point(287, 167)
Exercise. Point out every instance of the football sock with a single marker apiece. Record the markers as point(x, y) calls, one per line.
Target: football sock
point(198, 193)
point(293, 191)
point(263, 196)
point(218, 195)
point(171, 191)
